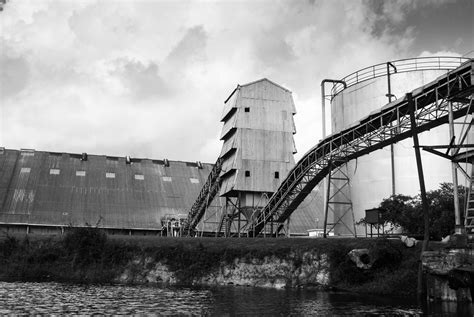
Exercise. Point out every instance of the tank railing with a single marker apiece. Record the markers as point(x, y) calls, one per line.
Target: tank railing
point(402, 65)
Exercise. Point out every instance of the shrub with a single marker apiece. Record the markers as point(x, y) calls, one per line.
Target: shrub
point(86, 245)
point(8, 246)
point(386, 254)
point(407, 212)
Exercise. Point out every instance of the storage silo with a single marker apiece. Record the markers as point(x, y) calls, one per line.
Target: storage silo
point(369, 89)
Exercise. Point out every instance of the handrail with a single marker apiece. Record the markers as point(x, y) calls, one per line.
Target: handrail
point(402, 66)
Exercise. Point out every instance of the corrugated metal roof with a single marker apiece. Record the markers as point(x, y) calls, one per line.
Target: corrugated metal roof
point(31, 194)
point(137, 197)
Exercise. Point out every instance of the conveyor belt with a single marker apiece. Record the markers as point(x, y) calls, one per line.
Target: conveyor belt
point(428, 104)
point(204, 199)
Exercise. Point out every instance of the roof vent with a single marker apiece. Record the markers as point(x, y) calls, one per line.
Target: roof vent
point(27, 152)
point(84, 156)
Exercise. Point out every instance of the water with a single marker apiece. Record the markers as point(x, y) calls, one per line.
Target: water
point(55, 298)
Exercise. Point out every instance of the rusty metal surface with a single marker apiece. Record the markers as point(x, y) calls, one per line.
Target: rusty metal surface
point(47, 188)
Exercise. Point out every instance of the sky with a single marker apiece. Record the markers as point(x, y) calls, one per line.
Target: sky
point(149, 78)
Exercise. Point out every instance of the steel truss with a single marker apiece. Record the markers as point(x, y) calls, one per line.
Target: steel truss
point(204, 199)
point(338, 201)
point(234, 221)
point(452, 153)
point(429, 106)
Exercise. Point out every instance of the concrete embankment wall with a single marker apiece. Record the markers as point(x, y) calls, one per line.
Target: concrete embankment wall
point(294, 270)
point(391, 268)
point(449, 274)
point(89, 256)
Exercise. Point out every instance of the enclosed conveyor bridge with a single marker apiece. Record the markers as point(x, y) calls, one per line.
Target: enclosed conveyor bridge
point(424, 108)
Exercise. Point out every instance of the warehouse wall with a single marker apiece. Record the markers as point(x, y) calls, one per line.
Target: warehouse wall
point(43, 188)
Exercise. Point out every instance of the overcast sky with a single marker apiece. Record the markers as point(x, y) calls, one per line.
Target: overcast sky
point(149, 78)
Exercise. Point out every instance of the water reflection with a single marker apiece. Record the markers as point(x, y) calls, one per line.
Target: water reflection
point(54, 298)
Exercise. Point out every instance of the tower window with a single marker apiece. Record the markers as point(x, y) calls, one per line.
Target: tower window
point(247, 173)
point(277, 174)
point(247, 109)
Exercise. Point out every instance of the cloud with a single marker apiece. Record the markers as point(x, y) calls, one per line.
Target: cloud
point(190, 48)
point(391, 16)
point(439, 53)
point(148, 78)
point(139, 79)
point(14, 75)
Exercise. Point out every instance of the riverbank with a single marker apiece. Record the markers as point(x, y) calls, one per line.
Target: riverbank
point(89, 256)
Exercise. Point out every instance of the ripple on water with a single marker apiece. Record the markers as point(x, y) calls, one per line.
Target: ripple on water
point(55, 298)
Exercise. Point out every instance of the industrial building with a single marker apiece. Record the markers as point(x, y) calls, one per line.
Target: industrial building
point(47, 192)
point(255, 187)
point(441, 101)
point(257, 154)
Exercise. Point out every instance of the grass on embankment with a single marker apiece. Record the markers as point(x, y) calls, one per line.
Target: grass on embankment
point(89, 256)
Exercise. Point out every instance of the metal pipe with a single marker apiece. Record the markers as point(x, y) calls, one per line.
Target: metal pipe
point(323, 100)
point(392, 149)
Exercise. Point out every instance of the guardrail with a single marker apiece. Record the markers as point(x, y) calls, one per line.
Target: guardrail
point(402, 66)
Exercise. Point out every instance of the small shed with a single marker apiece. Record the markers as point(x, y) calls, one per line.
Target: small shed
point(373, 217)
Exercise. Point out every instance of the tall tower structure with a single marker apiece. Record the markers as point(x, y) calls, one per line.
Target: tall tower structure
point(258, 149)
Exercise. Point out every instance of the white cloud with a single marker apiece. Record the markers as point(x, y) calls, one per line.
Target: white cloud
point(439, 53)
point(149, 78)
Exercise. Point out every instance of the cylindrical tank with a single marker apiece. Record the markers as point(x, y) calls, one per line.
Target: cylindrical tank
point(371, 175)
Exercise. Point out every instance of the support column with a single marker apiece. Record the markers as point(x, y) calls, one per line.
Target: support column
point(457, 211)
point(419, 166)
point(238, 223)
point(326, 207)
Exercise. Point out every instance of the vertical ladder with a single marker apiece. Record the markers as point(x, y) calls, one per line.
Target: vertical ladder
point(469, 215)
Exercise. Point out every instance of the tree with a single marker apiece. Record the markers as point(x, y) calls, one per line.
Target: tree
point(407, 211)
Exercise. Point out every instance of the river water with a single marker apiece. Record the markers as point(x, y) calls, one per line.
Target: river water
point(55, 298)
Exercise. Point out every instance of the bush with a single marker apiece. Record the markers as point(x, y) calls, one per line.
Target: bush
point(8, 246)
point(386, 254)
point(86, 245)
point(407, 212)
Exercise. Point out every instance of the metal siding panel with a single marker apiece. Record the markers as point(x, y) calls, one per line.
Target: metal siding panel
point(230, 124)
point(123, 201)
point(231, 103)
